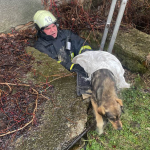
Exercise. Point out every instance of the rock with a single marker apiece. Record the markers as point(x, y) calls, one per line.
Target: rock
point(132, 47)
point(65, 114)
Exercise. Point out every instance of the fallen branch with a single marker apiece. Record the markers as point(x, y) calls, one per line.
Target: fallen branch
point(10, 89)
point(59, 78)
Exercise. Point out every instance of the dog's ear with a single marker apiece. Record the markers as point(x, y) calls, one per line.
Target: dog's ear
point(101, 110)
point(121, 104)
point(119, 101)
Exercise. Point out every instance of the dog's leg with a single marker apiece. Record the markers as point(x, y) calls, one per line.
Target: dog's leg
point(100, 124)
point(99, 119)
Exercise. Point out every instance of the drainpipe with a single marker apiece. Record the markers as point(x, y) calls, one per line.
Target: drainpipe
point(112, 8)
point(117, 25)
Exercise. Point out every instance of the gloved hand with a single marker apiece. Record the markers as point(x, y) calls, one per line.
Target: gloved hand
point(65, 60)
point(64, 56)
point(77, 68)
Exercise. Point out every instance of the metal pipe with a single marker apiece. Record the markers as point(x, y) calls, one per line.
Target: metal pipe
point(77, 138)
point(112, 8)
point(117, 25)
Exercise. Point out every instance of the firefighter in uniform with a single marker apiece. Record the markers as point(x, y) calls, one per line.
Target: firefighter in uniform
point(61, 45)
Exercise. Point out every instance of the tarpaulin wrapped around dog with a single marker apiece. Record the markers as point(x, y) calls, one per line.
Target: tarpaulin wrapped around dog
point(92, 61)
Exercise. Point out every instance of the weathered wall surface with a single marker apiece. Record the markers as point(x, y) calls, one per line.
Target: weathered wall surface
point(132, 48)
point(65, 114)
point(16, 12)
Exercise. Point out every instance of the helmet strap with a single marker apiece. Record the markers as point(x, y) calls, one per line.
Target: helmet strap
point(37, 27)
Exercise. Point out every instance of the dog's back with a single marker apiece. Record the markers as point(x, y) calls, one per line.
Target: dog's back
point(103, 86)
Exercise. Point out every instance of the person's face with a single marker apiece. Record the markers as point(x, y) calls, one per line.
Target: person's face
point(51, 30)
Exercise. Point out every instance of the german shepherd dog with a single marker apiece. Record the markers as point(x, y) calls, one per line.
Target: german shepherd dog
point(106, 105)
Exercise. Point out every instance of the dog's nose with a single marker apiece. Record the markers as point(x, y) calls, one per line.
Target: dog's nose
point(119, 128)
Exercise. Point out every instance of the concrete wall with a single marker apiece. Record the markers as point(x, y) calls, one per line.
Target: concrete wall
point(16, 12)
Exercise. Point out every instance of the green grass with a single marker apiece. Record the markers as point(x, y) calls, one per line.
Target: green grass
point(135, 134)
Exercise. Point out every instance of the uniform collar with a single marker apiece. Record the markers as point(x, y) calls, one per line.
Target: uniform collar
point(42, 35)
point(47, 39)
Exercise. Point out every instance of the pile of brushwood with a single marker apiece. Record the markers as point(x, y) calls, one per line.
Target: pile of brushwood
point(18, 101)
point(74, 16)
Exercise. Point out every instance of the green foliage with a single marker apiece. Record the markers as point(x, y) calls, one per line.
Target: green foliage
point(136, 124)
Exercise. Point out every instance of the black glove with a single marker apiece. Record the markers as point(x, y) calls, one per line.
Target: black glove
point(65, 60)
point(77, 68)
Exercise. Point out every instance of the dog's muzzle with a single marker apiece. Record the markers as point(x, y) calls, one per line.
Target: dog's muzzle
point(119, 128)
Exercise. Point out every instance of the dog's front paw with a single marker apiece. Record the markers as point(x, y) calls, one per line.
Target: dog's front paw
point(99, 131)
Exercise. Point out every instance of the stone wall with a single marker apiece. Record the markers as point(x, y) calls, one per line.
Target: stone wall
point(132, 47)
point(65, 114)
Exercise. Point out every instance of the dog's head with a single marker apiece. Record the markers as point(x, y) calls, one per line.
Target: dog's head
point(112, 111)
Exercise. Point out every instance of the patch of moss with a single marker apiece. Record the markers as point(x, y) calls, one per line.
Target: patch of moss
point(61, 112)
point(131, 48)
point(129, 61)
point(44, 67)
point(94, 38)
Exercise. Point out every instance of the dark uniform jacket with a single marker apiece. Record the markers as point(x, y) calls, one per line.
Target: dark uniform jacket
point(52, 46)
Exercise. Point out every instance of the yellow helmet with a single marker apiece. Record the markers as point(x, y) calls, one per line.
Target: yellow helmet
point(43, 18)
